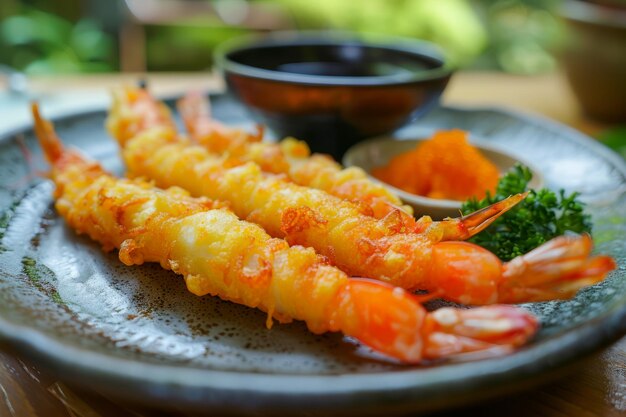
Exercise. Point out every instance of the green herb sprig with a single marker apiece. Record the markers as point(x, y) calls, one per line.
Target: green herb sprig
point(538, 218)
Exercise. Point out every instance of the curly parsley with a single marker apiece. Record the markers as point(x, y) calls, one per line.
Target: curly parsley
point(537, 219)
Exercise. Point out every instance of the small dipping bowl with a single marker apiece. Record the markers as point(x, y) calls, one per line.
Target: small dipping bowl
point(333, 90)
point(378, 152)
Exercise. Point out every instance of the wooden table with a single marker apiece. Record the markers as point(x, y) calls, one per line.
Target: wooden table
point(596, 388)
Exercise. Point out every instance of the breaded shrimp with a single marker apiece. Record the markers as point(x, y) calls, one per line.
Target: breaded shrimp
point(388, 249)
point(219, 254)
point(291, 157)
point(134, 111)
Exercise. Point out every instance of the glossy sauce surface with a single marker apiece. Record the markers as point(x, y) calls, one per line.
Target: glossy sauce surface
point(336, 60)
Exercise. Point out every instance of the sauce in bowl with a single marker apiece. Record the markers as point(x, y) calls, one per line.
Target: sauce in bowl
point(333, 91)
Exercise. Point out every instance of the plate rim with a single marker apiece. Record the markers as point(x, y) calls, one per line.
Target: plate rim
point(164, 383)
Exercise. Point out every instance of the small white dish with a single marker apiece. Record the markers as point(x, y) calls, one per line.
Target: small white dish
point(377, 152)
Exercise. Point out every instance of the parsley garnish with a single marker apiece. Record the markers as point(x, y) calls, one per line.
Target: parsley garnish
point(537, 219)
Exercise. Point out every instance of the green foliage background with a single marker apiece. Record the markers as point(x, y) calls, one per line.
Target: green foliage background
point(67, 36)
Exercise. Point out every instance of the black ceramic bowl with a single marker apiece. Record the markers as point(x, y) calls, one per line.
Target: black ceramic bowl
point(333, 90)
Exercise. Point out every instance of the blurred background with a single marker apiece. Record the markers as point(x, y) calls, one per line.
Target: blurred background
point(527, 37)
point(69, 36)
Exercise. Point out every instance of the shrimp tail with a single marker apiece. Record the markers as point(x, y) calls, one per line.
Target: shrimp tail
point(478, 332)
point(69, 167)
point(135, 110)
point(555, 270)
point(51, 144)
point(464, 227)
point(393, 322)
point(479, 220)
point(470, 274)
point(194, 109)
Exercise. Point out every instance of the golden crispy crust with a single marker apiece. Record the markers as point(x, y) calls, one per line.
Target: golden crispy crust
point(337, 229)
point(217, 253)
point(291, 157)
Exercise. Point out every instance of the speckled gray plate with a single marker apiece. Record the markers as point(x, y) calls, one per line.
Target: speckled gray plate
point(138, 334)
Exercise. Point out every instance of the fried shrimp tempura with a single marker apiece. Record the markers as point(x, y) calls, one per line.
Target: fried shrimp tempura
point(291, 157)
point(219, 254)
point(389, 249)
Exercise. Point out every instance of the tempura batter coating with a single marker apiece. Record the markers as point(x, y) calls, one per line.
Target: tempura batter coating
point(290, 156)
point(216, 252)
point(362, 245)
point(306, 216)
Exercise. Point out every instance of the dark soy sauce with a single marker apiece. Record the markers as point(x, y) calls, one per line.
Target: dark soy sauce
point(346, 69)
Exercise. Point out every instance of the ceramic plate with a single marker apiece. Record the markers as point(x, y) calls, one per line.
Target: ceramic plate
point(137, 333)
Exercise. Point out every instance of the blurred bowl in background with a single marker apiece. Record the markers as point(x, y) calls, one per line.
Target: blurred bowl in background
point(595, 57)
point(378, 152)
point(330, 89)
